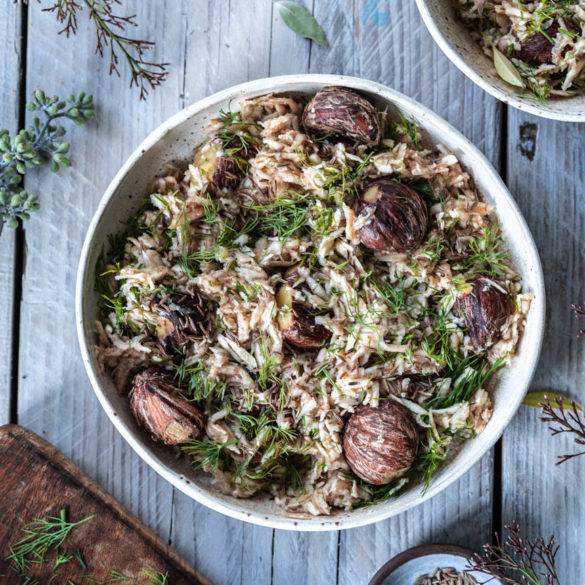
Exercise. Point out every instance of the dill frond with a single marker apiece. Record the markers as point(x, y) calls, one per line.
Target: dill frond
point(205, 453)
point(199, 387)
point(283, 217)
point(40, 537)
point(486, 255)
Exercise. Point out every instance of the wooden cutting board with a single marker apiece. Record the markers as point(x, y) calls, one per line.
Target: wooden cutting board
point(36, 481)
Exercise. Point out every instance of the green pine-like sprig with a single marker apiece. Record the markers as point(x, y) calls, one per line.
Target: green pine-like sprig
point(39, 144)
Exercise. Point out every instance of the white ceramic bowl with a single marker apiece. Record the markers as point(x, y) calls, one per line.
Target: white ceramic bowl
point(454, 39)
point(174, 140)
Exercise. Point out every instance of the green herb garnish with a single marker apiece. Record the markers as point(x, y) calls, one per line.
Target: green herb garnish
point(40, 537)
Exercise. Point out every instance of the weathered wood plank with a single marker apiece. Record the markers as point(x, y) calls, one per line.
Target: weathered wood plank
point(545, 173)
point(387, 42)
point(55, 399)
point(309, 558)
point(225, 43)
point(10, 73)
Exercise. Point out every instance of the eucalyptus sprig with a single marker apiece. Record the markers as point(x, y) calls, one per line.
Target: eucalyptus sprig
point(111, 38)
point(519, 561)
point(564, 415)
point(39, 144)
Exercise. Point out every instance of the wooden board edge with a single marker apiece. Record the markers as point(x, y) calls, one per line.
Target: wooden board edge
point(76, 475)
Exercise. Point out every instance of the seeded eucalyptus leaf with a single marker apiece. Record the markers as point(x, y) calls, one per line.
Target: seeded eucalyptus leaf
point(536, 398)
point(507, 70)
point(35, 146)
point(301, 21)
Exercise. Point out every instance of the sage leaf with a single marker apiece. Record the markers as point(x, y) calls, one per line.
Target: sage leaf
point(535, 399)
point(301, 21)
point(507, 70)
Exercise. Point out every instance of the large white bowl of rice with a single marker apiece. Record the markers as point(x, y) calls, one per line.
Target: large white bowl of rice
point(309, 303)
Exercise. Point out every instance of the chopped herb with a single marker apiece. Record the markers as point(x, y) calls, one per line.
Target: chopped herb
point(380, 493)
point(406, 127)
point(41, 536)
point(486, 255)
point(234, 134)
point(433, 456)
point(283, 217)
point(393, 295)
point(207, 454)
point(156, 577)
point(199, 387)
point(474, 376)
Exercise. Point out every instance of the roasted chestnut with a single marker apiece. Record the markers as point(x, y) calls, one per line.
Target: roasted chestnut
point(342, 113)
point(162, 410)
point(223, 172)
point(182, 317)
point(297, 325)
point(537, 49)
point(484, 310)
point(380, 444)
point(398, 217)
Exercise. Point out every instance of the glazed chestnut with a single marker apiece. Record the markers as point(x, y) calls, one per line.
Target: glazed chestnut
point(223, 172)
point(484, 310)
point(399, 217)
point(342, 113)
point(162, 410)
point(182, 317)
point(380, 444)
point(537, 49)
point(298, 327)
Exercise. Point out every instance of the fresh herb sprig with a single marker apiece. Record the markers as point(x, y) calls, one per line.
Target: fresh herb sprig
point(565, 419)
point(234, 134)
point(344, 181)
point(156, 577)
point(519, 561)
point(198, 386)
point(40, 537)
point(283, 217)
point(395, 296)
point(111, 38)
point(381, 493)
point(474, 374)
point(207, 454)
point(41, 143)
point(434, 454)
point(486, 254)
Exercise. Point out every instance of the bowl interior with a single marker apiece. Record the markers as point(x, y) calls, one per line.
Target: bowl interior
point(454, 39)
point(175, 140)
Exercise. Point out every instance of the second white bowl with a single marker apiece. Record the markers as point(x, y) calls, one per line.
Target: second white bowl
point(454, 40)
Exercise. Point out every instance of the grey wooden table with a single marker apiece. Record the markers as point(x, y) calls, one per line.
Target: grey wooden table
point(213, 44)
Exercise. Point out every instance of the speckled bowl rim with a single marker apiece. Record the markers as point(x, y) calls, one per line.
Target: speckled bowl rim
point(416, 552)
point(244, 509)
point(525, 104)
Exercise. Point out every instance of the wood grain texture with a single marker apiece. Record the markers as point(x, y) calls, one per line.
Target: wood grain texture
point(55, 398)
point(545, 174)
point(38, 481)
point(213, 45)
point(10, 73)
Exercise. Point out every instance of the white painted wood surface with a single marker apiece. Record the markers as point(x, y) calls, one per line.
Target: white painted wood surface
point(212, 45)
point(10, 74)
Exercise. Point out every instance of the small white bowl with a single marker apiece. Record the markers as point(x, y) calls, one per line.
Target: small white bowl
point(406, 567)
point(455, 41)
point(175, 140)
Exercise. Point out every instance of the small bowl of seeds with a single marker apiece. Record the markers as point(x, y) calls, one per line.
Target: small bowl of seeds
point(432, 564)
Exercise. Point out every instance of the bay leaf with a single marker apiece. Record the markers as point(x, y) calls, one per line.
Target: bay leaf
point(507, 70)
point(535, 399)
point(298, 18)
